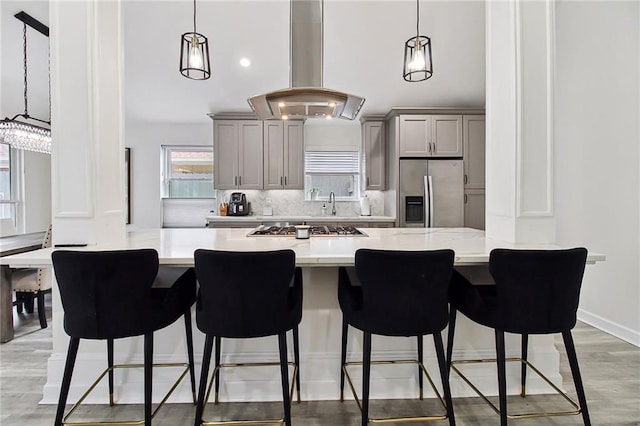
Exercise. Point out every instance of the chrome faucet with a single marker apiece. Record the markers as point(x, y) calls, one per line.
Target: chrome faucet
point(332, 200)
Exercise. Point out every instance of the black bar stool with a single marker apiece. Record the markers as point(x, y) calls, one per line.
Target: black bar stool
point(108, 295)
point(245, 295)
point(536, 292)
point(401, 293)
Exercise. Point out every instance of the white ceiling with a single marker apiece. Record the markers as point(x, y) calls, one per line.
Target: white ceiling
point(363, 50)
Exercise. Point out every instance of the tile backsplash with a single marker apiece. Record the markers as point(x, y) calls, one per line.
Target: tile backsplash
point(291, 203)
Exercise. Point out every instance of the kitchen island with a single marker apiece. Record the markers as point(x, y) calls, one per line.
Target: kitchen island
point(320, 258)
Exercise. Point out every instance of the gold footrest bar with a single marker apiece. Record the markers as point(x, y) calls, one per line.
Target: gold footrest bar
point(123, 422)
point(408, 419)
point(522, 392)
point(248, 422)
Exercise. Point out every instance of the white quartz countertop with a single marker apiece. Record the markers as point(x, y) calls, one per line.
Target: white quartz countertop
point(176, 246)
point(301, 218)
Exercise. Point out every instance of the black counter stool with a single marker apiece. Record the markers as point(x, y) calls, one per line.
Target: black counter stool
point(246, 295)
point(535, 292)
point(108, 295)
point(401, 293)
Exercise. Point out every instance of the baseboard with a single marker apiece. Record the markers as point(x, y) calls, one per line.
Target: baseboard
point(610, 327)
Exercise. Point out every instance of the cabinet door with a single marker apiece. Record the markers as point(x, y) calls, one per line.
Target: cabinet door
point(473, 132)
point(273, 154)
point(474, 208)
point(415, 135)
point(374, 155)
point(250, 160)
point(293, 155)
point(447, 136)
point(225, 154)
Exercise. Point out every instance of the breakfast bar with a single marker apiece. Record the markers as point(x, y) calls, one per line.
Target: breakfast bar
point(319, 257)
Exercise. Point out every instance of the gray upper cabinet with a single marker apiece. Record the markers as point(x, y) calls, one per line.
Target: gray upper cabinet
point(283, 155)
point(430, 136)
point(237, 154)
point(473, 129)
point(374, 150)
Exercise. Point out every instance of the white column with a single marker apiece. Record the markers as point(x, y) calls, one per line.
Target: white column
point(87, 168)
point(520, 127)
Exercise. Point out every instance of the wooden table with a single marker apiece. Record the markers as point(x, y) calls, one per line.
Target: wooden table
point(12, 245)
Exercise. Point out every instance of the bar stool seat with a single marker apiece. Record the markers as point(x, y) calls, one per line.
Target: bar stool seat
point(247, 295)
point(396, 293)
point(108, 295)
point(535, 292)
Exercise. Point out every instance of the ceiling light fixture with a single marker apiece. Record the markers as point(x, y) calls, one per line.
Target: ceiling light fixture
point(417, 54)
point(245, 62)
point(194, 53)
point(18, 134)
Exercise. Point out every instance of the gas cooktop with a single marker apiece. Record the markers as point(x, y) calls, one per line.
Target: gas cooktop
point(314, 231)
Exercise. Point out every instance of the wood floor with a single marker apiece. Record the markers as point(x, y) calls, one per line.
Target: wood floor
point(610, 370)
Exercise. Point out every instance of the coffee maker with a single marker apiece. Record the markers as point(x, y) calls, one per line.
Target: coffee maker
point(238, 205)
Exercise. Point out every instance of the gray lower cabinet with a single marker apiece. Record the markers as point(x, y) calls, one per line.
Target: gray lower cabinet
point(283, 162)
point(430, 135)
point(238, 159)
point(474, 208)
point(374, 155)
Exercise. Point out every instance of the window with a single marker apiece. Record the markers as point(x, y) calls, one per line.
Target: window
point(332, 171)
point(187, 171)
point(8, 174)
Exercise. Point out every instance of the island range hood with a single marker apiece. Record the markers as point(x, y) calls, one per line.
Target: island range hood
point(306, 98)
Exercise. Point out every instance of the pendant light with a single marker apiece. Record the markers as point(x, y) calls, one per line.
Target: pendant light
point(19, 134)
point(417, 54)
point(194, 53)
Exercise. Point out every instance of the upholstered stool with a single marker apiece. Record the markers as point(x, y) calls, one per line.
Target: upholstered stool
point(246, 295)
point(397, 293)
point(108, 295)
point(535, 292)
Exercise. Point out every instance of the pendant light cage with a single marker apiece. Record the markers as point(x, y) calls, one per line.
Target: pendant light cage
point(417, 54)
point(19, 134)
point(194, 53)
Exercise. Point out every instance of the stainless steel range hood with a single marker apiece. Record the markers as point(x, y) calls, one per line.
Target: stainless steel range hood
point(306, 98)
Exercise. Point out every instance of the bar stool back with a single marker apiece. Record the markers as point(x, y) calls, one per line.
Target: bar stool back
point(535, 292)
point(246, 295)
point(108, 295)
point(400, 293)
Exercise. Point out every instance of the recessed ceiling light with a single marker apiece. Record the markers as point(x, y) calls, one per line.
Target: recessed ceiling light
point(245, 62)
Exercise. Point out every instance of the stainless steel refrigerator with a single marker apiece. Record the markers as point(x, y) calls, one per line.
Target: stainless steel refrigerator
point(431, 193)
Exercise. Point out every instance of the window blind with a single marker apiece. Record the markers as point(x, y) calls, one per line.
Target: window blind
point(332, 162)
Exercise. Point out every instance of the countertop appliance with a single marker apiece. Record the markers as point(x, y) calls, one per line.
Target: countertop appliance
point(431, 193)
point(314, 231)
point(238, 205)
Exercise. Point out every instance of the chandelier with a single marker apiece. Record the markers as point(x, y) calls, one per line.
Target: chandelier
point(194, 53)
point(417, 54)
point(19, 134)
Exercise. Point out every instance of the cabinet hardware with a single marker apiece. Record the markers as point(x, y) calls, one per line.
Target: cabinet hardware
point(367, 180)
point(465, 198)
point(429, 147)
point(465, 179)
point(239, 180)
point(280, 180)
point(433, 149)
point(235, 181)
point(285, 181)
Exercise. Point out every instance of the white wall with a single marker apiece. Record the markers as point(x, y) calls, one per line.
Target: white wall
point(597, 155)
point(37, 191)
point(145, 141)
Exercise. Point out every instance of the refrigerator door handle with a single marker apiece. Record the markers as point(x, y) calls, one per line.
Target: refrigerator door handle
point(428, 202)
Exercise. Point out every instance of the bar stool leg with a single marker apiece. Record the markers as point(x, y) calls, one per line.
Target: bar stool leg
point(217, 364)
point(284, 373)
point(296, 356)
point(450, 334)
point(110, 365)
point(420, 358)
point(525, 350)
point(42, 316)
point(148, 376)
point(575, 372)
point(444, 376)
point(343, 356)
point(66, 379)
point(204, 375)
point(366, 376)
point(189, 335)
point(502, 374)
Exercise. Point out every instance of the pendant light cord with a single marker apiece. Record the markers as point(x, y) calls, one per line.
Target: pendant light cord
point(24, 52)
point(194, 17)
point(417, 19)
